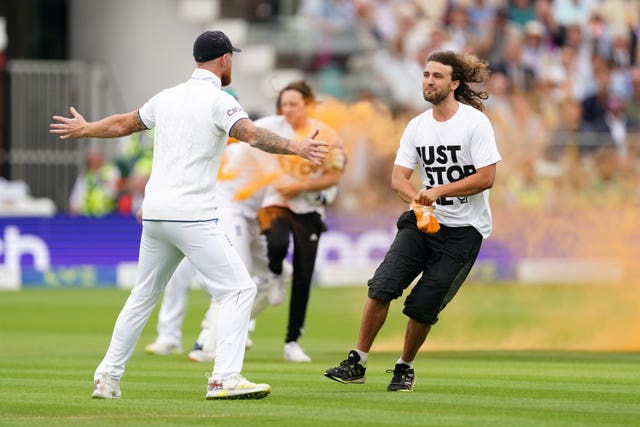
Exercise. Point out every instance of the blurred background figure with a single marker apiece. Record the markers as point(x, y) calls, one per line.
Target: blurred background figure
point(132, 194)
point(96, 188)
point(293, 206)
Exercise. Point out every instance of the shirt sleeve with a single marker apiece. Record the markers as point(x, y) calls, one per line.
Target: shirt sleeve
point(227, 112)
point(406, 156)
point(484, 150)
point(148, 113)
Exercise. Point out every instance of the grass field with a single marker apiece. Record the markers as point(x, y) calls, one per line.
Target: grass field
point(501, 356)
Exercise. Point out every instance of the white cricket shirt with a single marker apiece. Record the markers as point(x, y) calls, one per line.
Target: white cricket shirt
point(191, 121)
point(446, 152)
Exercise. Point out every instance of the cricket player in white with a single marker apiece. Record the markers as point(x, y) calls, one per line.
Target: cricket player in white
point(192, 122)
point(239, 195)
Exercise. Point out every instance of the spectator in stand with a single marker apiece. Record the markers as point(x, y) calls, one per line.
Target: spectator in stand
point(632, 104)
point(576, 58)
point(594, 105)
point(554, 32)
point(521, 11)
point(95, 190)
point(612, 126)
point(568, 12)
point(130, 200)
point(535, 53)
point(133, 148)
point(481, 14)
point(521, 77)
point(458, 27)
point(491, 45)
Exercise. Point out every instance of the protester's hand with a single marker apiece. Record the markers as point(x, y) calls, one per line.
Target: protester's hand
point(68, 128)
point(312, 150)
point(427, 197)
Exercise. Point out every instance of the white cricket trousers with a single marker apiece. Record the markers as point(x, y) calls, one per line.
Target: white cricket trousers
point(245, 237)
point(162, 246)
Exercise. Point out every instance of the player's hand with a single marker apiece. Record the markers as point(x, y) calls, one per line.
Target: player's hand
point(312, 150)
point(68, 128)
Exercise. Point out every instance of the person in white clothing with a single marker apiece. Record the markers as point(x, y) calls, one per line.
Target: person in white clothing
point(192, 122)
point(454, 148)
point(239, 194)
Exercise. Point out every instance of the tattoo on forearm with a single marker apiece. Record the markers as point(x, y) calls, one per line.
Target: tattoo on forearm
point(261, 138)
point(271, 142)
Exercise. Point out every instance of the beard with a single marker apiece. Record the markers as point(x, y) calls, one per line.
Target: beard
point(225, 79)
point(436, 97)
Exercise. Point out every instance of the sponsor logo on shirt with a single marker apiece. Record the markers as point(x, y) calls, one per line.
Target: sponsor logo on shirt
point(233, 111)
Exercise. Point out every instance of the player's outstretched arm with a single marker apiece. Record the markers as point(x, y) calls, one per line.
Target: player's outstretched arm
point(76, 126)
point(245, 130)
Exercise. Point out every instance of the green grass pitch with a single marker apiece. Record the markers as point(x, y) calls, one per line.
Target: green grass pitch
point(502, 355)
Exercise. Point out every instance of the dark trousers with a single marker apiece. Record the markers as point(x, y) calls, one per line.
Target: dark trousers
point(277, 224)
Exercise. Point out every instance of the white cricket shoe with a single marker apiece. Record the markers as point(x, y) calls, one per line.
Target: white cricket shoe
point(277, 291)
point(277, 284)
point(294, 353)
point(106, 387)
point(163, 349)
point(201, 356)
point(236, 387)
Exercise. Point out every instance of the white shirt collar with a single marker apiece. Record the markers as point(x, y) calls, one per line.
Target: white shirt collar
point(202, 74)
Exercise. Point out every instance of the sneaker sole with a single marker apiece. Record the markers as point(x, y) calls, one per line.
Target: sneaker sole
point(230, 395)
point(343, 381)
point(404, 390)
point(199, 359)
point(102, 396)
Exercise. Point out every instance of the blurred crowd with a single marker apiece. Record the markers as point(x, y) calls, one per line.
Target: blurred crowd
point(564, 95)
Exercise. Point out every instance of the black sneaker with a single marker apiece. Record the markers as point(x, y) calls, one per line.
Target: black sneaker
point(350, 371)
point(404, 378)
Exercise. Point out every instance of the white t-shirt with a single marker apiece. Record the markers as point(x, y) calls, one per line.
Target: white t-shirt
point(192, 121)
point(446, 152)
point(295, 167)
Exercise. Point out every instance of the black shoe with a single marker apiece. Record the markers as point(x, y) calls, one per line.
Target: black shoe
point(350, 371)
point(404, 378)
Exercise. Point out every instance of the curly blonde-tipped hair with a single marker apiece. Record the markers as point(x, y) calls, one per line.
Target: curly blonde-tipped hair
point(467, 69)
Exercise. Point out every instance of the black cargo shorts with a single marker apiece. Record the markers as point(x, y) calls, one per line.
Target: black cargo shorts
point(444, 259)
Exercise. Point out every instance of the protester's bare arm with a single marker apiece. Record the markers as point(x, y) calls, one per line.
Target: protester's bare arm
point(401, 183)
point(110, 127)
point(473, 184)
point(265, 140)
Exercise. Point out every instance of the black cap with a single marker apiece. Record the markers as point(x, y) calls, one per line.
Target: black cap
point(211, 45)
